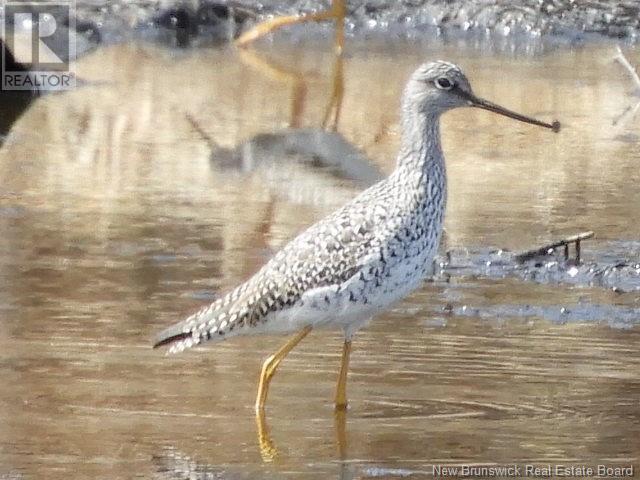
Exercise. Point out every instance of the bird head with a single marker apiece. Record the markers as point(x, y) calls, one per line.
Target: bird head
point(437, 87)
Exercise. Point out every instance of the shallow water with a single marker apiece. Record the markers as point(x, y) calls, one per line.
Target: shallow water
point(117, 220)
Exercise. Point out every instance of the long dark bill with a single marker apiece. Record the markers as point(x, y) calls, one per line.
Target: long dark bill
point(492, 107)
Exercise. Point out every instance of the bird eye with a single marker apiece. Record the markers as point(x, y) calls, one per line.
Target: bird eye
point(444, 83)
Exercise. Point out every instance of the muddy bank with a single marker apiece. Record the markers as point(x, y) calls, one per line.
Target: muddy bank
point(206, 21)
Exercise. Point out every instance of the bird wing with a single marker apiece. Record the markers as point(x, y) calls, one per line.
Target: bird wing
point(328, 253)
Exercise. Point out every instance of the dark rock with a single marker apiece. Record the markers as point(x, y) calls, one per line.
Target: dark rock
point(209, 23)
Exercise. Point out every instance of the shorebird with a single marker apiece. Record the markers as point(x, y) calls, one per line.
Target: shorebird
point(356, 262)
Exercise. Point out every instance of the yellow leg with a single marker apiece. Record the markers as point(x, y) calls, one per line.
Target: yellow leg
point(280, 73)
point(341, 432)
point(337, 12)
point(341, 391)
point(332, 113)
point(297, 80)
point(268, 449)
point(270, 366)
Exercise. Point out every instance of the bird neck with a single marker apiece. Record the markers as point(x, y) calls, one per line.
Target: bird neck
point(420, 158)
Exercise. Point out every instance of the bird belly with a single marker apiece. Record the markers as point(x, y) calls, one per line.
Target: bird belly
point(323, 307)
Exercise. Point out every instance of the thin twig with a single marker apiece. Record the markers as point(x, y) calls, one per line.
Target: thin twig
point(620, 58)
point(213, 145)
point(550, 248)
point(629, 113)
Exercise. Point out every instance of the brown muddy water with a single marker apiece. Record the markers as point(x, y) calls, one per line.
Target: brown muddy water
point(117, 220)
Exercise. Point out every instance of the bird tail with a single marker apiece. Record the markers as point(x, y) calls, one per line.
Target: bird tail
point(215, 321)
point(170, 336)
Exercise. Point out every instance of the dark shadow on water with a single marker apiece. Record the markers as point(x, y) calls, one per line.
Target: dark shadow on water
point(14, 102)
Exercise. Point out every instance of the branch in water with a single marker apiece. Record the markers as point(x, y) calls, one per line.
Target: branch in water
point(550, 248)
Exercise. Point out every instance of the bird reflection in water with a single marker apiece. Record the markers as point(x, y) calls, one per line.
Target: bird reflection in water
point(269, 450)
point(305, 165)
point(173, 465)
